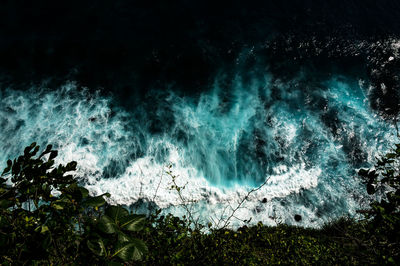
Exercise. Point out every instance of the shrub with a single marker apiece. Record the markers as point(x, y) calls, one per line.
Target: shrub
point(383, 181)
point(46, 217)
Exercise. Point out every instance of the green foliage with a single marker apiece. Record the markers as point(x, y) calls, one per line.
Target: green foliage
point(383, 181)
point(112, 235)
point(172, 242)
point(46, 217)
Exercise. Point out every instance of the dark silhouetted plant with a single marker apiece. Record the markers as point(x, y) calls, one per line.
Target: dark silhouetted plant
point(383, 181)
point(46, 217)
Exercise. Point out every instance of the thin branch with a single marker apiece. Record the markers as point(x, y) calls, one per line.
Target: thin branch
point(184, 202)
point(158, 186)
point(242, 201)
point(222, 215)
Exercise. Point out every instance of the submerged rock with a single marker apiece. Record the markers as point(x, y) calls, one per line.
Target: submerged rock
point(297, 217)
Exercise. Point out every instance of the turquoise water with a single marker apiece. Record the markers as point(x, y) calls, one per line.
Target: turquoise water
point(306, 138)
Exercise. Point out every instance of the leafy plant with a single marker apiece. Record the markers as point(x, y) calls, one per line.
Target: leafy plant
point(111, 237)
point(45, 216)
point(383, 181)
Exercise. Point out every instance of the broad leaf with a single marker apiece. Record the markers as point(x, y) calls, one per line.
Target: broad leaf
point(95, 201)
point(72, 189)
point(122, 238)
point(133, 222)
point(84, 192)
point(140, 248)
point(107, 225)
point(29, 148)
point(133, 250)
point(53, 154)
point(71, 166)
point(8, 168)
point(48, 148)
point(97, 247)
point(116, 212)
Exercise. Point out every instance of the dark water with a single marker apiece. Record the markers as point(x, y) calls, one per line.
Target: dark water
point(230, 94)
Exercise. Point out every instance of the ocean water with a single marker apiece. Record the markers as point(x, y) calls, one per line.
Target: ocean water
point(297, 111)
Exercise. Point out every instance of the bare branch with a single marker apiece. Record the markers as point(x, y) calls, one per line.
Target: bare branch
point(182, 199)
point(242, 201)
point(158, 186)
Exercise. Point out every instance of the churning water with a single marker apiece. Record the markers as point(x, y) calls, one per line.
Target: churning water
point(304, 132)
point(307, 139)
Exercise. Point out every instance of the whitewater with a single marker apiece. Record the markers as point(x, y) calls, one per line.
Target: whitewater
point(305, 139)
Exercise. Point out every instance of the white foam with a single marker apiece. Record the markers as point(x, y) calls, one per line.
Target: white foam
point(83, 128)
point(148, 181)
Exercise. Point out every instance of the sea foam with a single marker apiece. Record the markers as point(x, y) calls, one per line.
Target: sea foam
point(305, 143)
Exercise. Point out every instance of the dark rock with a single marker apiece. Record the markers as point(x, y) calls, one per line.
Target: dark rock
point(297, 218)
point(264, 200)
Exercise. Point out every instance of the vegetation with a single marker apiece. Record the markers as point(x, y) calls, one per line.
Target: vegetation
point(47, 218)
point(383, 181)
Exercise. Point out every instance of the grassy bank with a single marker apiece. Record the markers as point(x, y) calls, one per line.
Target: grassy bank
point(342, 242)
